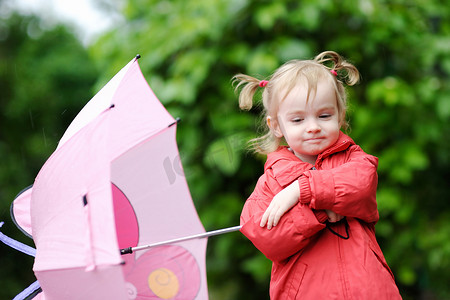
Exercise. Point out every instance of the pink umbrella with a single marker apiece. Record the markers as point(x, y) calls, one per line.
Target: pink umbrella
point(107, 187)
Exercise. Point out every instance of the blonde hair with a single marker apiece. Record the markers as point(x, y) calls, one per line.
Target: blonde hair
point(327, 65)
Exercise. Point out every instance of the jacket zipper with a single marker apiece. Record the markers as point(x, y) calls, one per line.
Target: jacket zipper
point(342, 269)
point(341, 264)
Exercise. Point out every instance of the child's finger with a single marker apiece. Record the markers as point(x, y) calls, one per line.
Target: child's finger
point(263, 220)
point(277, 217)
point(265, 217)
point(271, 218)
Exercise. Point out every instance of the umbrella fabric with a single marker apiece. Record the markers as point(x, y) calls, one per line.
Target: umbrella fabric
point(20, 211)
point(106, 187)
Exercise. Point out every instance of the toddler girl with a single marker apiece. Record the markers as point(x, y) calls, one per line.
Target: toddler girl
point(314, 209)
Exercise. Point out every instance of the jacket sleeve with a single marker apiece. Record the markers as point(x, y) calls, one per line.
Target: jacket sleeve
point(348, 189)
point(292, 234)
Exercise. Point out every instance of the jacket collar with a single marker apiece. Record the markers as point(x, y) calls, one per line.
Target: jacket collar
point(343, 142)
point(286, 166)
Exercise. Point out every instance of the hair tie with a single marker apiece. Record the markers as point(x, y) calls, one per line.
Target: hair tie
point(333, 71)
point(263, 83)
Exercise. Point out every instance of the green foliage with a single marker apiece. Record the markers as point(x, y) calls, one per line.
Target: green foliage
point(45, 79)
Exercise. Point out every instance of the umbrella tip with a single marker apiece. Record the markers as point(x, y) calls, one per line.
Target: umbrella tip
point(177, 120)
point(138, 56)
point(128, 250)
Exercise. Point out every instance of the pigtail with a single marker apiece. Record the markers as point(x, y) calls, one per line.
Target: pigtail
point(249, 87)
point(345, 71)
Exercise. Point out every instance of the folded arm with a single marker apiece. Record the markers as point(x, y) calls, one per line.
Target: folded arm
point(348, 190)
point(292, 233)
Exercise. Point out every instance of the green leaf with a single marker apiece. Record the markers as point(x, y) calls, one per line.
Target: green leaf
point(224, 154)
point(259, 266)
point(268, 14)
point(262, 62)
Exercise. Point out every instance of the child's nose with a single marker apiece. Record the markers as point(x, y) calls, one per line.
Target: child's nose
point(313, 126)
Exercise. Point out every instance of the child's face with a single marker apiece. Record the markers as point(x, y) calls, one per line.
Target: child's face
point(310, 127)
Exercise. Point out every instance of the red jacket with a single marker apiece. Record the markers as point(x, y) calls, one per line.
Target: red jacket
point(309, 260)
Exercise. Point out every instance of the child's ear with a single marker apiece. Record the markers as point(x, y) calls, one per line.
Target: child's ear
point(273, 125)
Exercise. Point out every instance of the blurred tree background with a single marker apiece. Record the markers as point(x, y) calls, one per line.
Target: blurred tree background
point(190, 50)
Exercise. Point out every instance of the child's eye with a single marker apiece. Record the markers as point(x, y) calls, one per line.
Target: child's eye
point(325, 116)
point(296, 120)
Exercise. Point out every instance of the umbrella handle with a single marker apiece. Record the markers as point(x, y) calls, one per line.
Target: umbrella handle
point(130, 250)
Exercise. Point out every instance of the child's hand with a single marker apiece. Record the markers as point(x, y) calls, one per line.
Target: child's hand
point(280, 204)
point(333, 217)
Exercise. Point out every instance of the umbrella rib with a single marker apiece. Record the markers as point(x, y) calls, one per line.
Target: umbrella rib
point(182, 239)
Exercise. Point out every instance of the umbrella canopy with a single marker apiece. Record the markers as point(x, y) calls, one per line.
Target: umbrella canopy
point(109, 185)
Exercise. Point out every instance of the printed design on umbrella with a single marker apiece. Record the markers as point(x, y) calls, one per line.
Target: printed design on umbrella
point(165, 272)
